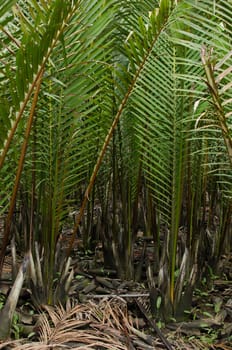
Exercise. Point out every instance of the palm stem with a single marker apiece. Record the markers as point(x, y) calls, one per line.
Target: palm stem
point(19, 172)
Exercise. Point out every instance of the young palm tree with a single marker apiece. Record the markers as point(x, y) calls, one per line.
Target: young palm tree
point(118, 89)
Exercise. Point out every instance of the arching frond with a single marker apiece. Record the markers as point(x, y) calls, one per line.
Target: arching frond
point(206, 26)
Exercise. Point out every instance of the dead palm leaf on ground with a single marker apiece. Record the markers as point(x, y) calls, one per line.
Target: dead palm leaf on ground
point(83, 326)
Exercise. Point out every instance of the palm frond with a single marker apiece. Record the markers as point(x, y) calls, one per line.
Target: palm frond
point(86, 326)
point(22, 71)
point(139, 55)
point(31, 56)
point(208, 28)
point(35, 49)
point(5, 7)
point(72, 105)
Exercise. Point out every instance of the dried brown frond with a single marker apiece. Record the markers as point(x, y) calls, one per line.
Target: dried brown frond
point(113, 312)
point(83, 327)
point(60, 325)
point(90, 326)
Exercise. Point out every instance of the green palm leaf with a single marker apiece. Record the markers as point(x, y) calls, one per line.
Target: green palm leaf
point(33, 48)
point(5, 7)
point(207, 25)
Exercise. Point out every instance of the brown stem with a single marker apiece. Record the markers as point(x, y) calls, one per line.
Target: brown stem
point(107, 141)
point(19, 172)
point(206, 60)
point(98, 163)
point(31, 89)
point(17, 120)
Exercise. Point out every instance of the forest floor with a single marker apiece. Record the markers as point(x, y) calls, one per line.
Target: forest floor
point(126, 313)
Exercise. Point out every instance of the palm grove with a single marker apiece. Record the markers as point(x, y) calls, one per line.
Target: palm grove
point(121, 111)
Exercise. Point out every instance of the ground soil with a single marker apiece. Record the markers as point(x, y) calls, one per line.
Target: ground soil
point(208, 323)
